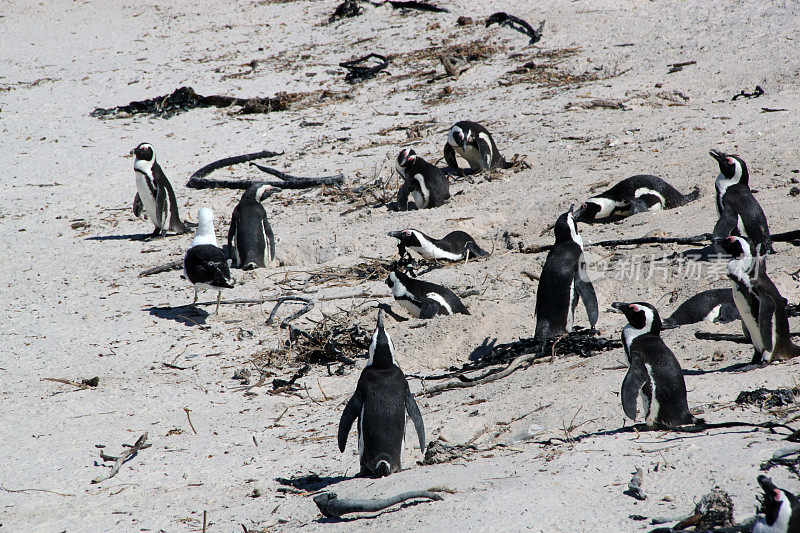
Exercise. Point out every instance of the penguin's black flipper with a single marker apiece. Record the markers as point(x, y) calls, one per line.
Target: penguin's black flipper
point(429, 308)
point(162, 208)
point(416, 416)
point(269, 238)
point(475, 250)
point(351, 411)
point(485, 150)
point(402, 196)
point(450, 158)
point(766, 315)
point(233, 253)
point(634, 380)
point(586, 292)
point(726, 225)
point(138, 208)
point(644, 203)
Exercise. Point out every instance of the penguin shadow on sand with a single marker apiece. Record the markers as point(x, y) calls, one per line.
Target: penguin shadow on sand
point(142, 237)
point(189, 315)
point(313, 482)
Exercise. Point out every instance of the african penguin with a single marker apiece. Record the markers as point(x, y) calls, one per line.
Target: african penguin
point(760, 304)
point(422, 299)
point(454, 246)
point(654, 374)
point(380, 402)
point(425, 184)
point(781, 509)
point(205, 264)
point(714, 305)
point(739, 213)
point(251, 243)
point(636, 194)
point(562, 281)
point(474, 143)
point(154, 194)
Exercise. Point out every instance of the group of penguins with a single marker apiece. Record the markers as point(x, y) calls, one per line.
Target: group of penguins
point(654, 378)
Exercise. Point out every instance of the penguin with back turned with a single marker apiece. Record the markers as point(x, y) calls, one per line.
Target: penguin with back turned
point(760, 304)
point(380, 402)
point(154, 194)
point(423, 299)
point(654, 374)
point(454, 246)
point(251, 243)
point(633, 195)
point(562, 282)
point(427, 185)
point(713, 305)
point(739, 213)
point(475, 144)
point(205, 264)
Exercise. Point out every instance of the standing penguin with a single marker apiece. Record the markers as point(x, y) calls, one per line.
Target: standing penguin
point(205, 264)
point(562, 281)
point(454, 246)
point(781, 509)
point(154, 194)
point(654, 374)
point(474, 143)
point(713, 305)
point(426, 184)
point(251, 243)
point(739, 212)
point(636, 194)
point(760, 304)
point(380, 403)
point(423, 299)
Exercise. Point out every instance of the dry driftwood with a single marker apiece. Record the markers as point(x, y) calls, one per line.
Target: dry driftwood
point(141, 444)
point(196, 180)
point(704, 237)
point(332, 507)
point(174, 265)
point(298, 182)
point(517, 24)
point(358, 72)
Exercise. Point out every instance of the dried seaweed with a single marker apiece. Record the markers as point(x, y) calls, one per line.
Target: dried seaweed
point(347, 9)
point(357, 71)
point(768, 398)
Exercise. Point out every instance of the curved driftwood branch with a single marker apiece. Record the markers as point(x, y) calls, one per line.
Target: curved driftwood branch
point(331, 506)
point(704, 237)
point(196, 179)
point(309, 304)
point(298, 182)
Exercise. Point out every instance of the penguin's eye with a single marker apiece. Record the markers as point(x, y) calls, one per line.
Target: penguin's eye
point(730, 160)
point(778, 496)
point(407, 233)
point(635, 308)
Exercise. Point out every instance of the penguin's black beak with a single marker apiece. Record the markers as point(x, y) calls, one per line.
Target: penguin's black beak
point(395, 234)
point(132, 151)
point(620, 307)
point(719, 156)
point(380, 318)
point(577, 214)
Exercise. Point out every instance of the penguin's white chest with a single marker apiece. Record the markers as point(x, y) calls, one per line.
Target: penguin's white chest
point(148, 201)
point(750, 322)
point(471, 156)
point(421, 196)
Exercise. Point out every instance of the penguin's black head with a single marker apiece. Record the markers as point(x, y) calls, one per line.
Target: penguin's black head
point(776, 504)
point(456, 137)
point(381, 350)
point(640, 315)
point(497, 18)
point(737, 247)
point(408, 237)
point(587, 211)
point(396, 277)
point(406, 158)
point(566, 229)
point(732, 167)
point(144, 151)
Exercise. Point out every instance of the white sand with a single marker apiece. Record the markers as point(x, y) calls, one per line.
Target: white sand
point(75, 308)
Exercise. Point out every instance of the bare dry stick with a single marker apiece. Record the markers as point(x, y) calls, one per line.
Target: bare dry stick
point(507, 371)
point(141, 443)
point(190, 419)
point(68, 382)
point(175, 265)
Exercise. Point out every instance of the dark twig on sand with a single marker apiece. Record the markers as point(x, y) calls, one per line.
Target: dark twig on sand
point(730, 337)
point(332, 507)
point(413, 4)
point(517, 24)
point(704, 237)
point(196, 179)
point(309, 304)
point(141, 444)
point(299, 182)
point(755, 94)
point(174, 265)
point(358, 72)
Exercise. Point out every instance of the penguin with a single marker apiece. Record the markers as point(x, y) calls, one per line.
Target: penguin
point(205, 264)
point(154, 194)
point(760, 304)
point(426, 184)
point(633, 195)
point(454, 246)
point(781, 509)
point(562, 281)
point(739, 213)
point(251, 243)
point(654, 374)
point(380, 402)
point(423, 299)
point(714, 305)
point(474, 143)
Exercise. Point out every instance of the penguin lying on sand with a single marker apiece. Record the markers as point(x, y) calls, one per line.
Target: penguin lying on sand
point(154, 194)
point(380, 403)
point(781, 509)
point(562, 281)
point(634, 195)
point(205, 264)
point(739, 212)
point(427, 185)
point(474, 143)
point(454, 246)
point(714, 305)
point(251, 243)
point(423, 299)
point(760, 304)
point(654, 374)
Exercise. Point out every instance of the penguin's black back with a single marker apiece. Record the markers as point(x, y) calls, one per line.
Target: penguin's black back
point(160, 180)
point(698, 307)
point(738, 200)
point(254, 237)
point(553, 295)
point(666, 372)
point(206, 263)
point(383, 419)
point(627, 188)
point(458, 242)
point(420, 289)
